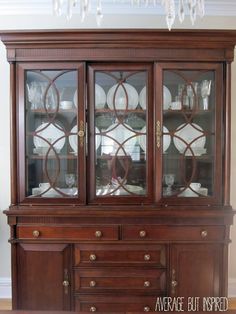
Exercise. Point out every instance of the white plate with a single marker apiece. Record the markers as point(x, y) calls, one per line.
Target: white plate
point(100, 97)
point(167, 98)
point(51, 133)
point(75, 98)
point(121, 191)
point(74, 138)
point(119, 133)
point(166, 139)
point(120, 97)
point(188, 133)
point(143, 98)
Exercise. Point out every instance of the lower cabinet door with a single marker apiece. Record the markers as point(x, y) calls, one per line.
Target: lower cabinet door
point(196, 270)
point(115, 303)
point(43, 277)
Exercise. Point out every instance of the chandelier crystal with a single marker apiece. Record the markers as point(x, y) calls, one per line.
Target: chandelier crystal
point(170, 6)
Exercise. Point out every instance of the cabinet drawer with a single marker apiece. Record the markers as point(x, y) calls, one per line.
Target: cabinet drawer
point(94, 255)
point(115, 303)
point(91, 233)
point(173, 233)
point(120, 278)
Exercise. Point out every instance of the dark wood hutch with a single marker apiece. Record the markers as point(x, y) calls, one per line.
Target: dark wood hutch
point(120, 167)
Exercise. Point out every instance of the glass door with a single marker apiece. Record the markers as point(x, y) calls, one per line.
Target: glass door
point(53, 115)
point(120, 104)
point(191, 110)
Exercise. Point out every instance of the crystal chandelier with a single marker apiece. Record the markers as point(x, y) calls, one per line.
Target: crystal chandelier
point(193, 6)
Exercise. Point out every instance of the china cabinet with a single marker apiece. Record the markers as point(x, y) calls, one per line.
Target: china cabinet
point(120, 147)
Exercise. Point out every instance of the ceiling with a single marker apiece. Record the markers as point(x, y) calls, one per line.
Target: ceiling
point(29, 7)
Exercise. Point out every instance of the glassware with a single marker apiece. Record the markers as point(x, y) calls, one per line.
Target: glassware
point(169, 181)
point(70, 181)
point(205, 93)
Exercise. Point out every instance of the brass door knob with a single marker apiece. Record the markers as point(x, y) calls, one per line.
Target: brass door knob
point(147, 283)
point(174, 283)
point(98, 234)
point(92, 309)
point(65, 283)
point(92, 283)
point(146, 308)
point(147, 257)
point(204, 234)
point(92, 257)
point(36, 233)
point(142, 233)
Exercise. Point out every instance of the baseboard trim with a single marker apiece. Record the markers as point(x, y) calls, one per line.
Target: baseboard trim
point(5, 288)
point(232, 288)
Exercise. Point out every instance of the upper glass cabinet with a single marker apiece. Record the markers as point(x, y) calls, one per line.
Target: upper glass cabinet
point(119, 120)
point(52, 146)
point(191, 133)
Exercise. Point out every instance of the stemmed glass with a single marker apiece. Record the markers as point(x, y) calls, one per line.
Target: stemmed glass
point(70, 181)
point(169, 181)
point(205, 93)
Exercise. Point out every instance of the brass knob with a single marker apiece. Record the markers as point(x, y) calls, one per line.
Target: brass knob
point(147, 283)
point(98, 234)
point(142, 233)
point(92, 309)
point(174, 283)
point(92, 257)
point(204, 234)
point(146, 309)
point(147, 257)
point(36, 233)
point(65, 283)
point(81, 133)
point(92, 283)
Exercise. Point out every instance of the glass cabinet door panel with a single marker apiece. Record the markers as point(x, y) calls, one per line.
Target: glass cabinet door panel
point(120, 104)
point(189, 111)
point(51, 102)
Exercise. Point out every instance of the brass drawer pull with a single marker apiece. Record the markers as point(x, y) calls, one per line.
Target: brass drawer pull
point(147, 284)
point(98, 234)
point(92, 283)
point(92, 257)
point(146, 308)
point(204, 234)
point(147, 257)
point(92, 309)
point(36, 233)
point(142, 233)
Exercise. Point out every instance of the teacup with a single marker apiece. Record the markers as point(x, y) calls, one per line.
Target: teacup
point(44, 186)
point(195, 186)
point(66, 104)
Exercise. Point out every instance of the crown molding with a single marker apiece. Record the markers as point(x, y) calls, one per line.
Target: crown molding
point(44, 7)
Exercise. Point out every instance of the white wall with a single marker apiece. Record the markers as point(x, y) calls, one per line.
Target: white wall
point(50, 22)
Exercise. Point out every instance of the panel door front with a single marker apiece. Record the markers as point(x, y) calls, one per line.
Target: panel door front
point(120, 120)
point(51, 133)
point(196, 270)
point(42, 271)
point(189, 119)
